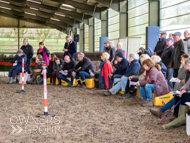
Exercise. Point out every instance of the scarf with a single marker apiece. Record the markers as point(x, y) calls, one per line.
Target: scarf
point(45, 57)
point(102, 64)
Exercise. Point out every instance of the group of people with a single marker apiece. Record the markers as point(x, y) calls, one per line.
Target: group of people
point(149, 73)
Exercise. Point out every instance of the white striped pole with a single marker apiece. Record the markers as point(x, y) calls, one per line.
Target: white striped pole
point(22, 91)
point(45, 95)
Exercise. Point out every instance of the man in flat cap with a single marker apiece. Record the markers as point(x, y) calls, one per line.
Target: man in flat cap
point(109, 49)
point(160, 44)
point(186, 41)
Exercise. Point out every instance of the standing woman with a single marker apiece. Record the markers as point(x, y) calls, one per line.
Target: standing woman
point(119, 49)
point(44, 52)
point(70, 47)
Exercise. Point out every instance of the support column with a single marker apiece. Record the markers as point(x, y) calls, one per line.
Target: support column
point(91, 35)
point(154, 13)
point(18, 34)
point(123, 30)
point(104, 23)
point(81, 42)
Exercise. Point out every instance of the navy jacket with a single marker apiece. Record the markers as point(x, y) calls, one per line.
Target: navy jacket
point(163, 68)
point(121, 67)
point(133, 68)
point(72, 48)
point(19, 61)
point(161, 44)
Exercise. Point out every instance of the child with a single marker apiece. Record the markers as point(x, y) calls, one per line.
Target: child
point(57, 66)
point(38, 68)
point(17, 66)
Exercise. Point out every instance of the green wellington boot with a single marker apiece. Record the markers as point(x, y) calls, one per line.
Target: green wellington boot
point(181, 120)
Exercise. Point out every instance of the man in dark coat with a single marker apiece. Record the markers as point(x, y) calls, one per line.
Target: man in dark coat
point(166, 58)
point(121, 66)
point(70, 47)
point(177, 53)
point(68, 66)
point(29, 52)
point(109, 49)
point(160, 44)
point(84, 69)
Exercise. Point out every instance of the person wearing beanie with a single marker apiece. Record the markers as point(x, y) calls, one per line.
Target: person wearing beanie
point(17, 66)
point(132, 69)
point(143, 51)
point(121, 65)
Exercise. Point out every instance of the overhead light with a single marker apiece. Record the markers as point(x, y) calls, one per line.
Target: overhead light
point(5, 7)
point(65, 9)
point(66, 5)
point(60, 14)
point(5, 1)
point(33, 8)
point(54, 19)
point(34, 1)
point(30, 13)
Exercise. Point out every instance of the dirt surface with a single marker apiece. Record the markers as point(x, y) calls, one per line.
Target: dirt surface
point(82, 115)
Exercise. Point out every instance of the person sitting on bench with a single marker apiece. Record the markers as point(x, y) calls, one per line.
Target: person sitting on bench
point(84, 69)
point(17, 66)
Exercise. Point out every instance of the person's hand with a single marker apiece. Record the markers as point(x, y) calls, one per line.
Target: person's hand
point(92, 74)
point(181, 93)
point(65, 71)
point(16, 61)
point(144, 73)
point(115, 62)
point(137, 83)
point(130, 78)
point(183, 81)
point(110, 75)
point(155, 53)
point(74, 74)
point(66, 50)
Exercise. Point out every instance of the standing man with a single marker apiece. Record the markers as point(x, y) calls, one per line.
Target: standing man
point(186, 41)
point(109, 49)
point(28, 50)
point(70, 47)
point(166, 58)
point(177, 53)
point(160, 44)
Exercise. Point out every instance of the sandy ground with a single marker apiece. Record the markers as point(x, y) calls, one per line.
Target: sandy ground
point(82, 115)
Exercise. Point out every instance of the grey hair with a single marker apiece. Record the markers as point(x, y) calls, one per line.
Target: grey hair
point(68, 37)
point(26, 39)
point(145, 56)
point(81, 54)
point(133, 55)
point(106, 55)
point(120, 44)
point(187, 61)
point(156, 59)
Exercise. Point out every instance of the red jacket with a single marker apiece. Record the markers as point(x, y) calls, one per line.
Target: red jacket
point(106, 70)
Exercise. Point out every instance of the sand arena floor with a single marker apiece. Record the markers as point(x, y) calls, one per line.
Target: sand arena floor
point(82, 115)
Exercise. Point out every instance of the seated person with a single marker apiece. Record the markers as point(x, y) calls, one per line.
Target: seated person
point(121, 66)
point(38, 68)
point(153, 82)
point(133, 69)
point(182, 72)
point(143, 51)
point(17, 67)
point(119, 49)
point(84, 69)
point(49, 70)
point(68, 66)
point(106, 69)
point(183, 108)
point(157, 60)
point(130, 89)
point(57, 67)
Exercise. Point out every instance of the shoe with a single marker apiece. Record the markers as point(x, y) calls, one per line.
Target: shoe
point(8, 80)
point(69, 84)
point(107, 93)
point(147, 104)
point(126, 96)
point(170, 120)
point(11, 80)
point(82, 86)
point(142, 101)
point(156, 113)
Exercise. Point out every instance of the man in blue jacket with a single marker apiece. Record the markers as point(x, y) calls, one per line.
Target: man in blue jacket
point(133, 69)
point(121, 66)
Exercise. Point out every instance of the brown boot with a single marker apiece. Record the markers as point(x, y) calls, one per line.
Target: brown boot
point(107, 93)
point(147, 104)
point(156, 112)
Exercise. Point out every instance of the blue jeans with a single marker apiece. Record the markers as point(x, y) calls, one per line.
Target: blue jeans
point(64, 77)
point(168, 105)
point(112, 79)
point(120, 85)
point(146, 91)
point(83, 75)
point(169, 75)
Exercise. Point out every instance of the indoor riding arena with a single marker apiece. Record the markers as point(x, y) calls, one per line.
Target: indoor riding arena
point(94, 71)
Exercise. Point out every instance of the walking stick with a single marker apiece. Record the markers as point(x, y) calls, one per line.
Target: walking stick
point(169, 112)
